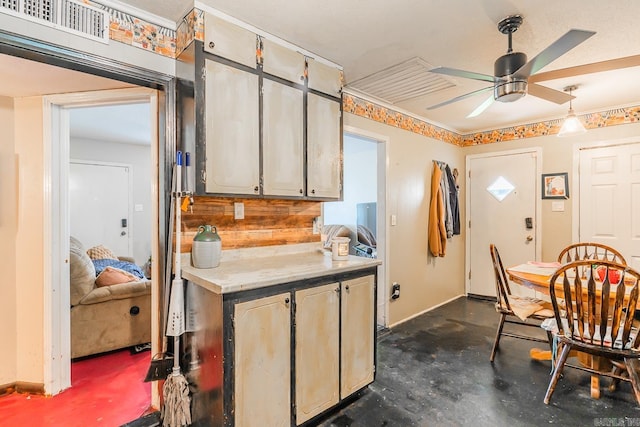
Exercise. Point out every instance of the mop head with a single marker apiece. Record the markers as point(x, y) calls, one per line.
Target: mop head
point(176, 411)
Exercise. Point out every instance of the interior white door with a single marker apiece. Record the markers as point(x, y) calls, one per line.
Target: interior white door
point(502, 194)
point(99, 205)
point(610, 198)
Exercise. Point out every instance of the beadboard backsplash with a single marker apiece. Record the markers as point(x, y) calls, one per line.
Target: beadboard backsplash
point(266, 222)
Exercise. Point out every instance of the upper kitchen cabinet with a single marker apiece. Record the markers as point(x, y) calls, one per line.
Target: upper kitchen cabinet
point(263, 117)
point(232, 129)
point(282, 139)
point(282, 62)
point(229, 41)
point(324, 78)
point(324, 147)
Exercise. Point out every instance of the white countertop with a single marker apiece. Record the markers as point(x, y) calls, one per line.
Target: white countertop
point(245, 269)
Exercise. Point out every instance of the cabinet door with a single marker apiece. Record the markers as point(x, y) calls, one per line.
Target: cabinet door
point(317, 350)
point(230, 41)
point(282, 128)
point(324, 78)
point(262, 361)
point(232, 130)
point(282, 62)
point(324, 150)
point(358, 334)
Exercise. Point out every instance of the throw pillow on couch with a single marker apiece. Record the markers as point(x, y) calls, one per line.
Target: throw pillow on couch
point(113, 276)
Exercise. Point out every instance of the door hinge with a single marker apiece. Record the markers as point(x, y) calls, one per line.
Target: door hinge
point(469, 223)
point(469, 274)
point(469, 173)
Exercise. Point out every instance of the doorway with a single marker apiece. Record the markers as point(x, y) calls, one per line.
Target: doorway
point(59, 108)
point(502, 193)
point(364, 204)
point(609, 196)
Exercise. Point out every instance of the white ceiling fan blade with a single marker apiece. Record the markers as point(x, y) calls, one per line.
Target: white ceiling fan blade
point(558, 48)
point(595, 67)
point(462, 73)
point(480, 108)
point(549, 94)
point(459, 98)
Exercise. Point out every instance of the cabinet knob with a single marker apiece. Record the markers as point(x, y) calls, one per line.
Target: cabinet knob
point(313, 191)
point(212, 45)
point(286, 300)
point(301, 191)
point(256, 188)
point(346, 287)
point(338, 289)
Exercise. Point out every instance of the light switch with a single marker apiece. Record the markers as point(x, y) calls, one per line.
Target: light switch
point(138, 207)
point(238, 210)
point(557, 206)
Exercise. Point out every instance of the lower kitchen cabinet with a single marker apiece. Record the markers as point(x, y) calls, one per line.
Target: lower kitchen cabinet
point(283, 354)
point(358, 343)
point(317, 333)
point(262, 361)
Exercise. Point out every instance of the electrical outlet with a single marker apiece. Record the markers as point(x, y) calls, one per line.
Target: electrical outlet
point(317, 225)
point(395, 290)
point(238, 210)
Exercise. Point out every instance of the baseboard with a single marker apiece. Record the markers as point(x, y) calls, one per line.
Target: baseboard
point(481, 297)
point(424, 311)
point(22, 387)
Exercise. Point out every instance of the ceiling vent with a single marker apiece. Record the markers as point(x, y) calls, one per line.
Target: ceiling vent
point(69, 15)
point(398, 83)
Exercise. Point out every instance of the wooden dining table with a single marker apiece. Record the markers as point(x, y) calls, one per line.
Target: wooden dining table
point(537, 277)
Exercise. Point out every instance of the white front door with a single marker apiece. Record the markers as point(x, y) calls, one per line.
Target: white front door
point(610, 198)
point(502, 194)
point(99, 212)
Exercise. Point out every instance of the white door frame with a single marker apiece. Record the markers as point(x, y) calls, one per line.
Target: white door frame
point(537, 151)
point(382, 300)
point(575, 204)
point(56, 327)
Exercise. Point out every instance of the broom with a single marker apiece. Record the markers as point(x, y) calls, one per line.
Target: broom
point(176, 410)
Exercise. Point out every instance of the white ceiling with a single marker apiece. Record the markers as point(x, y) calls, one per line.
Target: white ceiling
point(366, 36)
point(116, 123)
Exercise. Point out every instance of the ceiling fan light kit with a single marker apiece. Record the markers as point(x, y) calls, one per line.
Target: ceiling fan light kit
point(512, 71)
point(572, 124)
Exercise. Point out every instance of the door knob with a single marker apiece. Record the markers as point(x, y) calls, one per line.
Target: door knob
point(123, 233)
point(529, 238)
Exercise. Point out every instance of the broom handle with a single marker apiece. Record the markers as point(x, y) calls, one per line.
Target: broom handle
point(178, 209)
point(176, 353)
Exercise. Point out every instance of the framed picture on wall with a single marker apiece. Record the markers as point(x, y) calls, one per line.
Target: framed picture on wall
point(555, 185)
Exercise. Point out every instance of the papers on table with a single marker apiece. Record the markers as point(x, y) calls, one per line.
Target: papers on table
point(539, 268)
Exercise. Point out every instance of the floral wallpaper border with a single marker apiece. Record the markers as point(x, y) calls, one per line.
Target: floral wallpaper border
point(128, 29)
point(363, 108)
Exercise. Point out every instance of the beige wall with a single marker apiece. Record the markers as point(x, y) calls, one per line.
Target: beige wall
point(29, 241)
point(558, 156)
point(424, 281)
point(8, 332)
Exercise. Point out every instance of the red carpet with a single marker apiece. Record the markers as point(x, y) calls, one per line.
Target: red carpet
point(106, 391)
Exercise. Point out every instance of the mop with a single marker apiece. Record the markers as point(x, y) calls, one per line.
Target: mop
point(176, 410)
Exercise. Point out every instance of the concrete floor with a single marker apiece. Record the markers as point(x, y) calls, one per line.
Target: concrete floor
point(434, 370)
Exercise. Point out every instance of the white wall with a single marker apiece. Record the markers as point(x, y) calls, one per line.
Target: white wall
point(425, 281)
point(360, 183)
point(29, 247)
point(557, 156)
point(8, 226)
point(139, 156)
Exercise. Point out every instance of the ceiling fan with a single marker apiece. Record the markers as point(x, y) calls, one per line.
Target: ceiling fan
point(513, 75)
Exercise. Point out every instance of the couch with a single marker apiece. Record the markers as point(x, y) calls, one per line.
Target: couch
point(105, 318)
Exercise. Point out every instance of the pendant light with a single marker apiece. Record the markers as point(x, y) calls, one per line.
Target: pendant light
point(572, 125)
